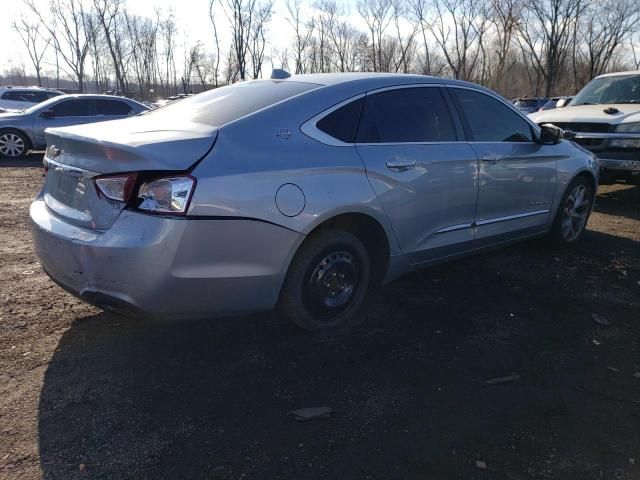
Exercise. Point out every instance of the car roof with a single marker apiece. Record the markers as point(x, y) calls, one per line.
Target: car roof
point(620, 74)
point(92, 96)
point(372, 79)
point(18, 87)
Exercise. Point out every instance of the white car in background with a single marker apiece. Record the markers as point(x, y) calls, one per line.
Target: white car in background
point(605, 118)
point(19, 98)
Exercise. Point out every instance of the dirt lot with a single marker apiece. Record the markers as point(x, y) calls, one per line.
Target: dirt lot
point(85, 394)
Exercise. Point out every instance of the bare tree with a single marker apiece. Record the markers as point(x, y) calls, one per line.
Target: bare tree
point(303, 34)
point(70, 33)
point(505, 16)
point(406, 43)
point(378, 15)
point(459, 28)
point(603, 30)
point(418, 11)
point(35, 44)
point(216, 41)
point(339, 33)
point(258, 37)
point(545, 35)
point(109, 16)
point(247, 19)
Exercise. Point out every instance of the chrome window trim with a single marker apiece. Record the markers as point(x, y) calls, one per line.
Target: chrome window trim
point(489, 221)
point(310, 128)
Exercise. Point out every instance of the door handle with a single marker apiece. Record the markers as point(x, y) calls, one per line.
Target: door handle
point(401, 165)
point(491, 159)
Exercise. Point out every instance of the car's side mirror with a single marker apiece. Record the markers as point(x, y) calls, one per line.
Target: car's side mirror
point(550, 134)
point(48, 114)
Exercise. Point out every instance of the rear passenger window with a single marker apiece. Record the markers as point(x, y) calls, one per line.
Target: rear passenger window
point(112, 107)
point(406, 115)
point(342, 122)
point(490, 120)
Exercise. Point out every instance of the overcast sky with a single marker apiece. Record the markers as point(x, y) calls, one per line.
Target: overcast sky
point(191, 16)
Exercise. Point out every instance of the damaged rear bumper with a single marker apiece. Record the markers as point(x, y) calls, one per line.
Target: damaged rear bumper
point(167, 267)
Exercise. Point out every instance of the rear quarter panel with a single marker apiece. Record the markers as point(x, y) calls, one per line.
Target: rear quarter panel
point(251, 161)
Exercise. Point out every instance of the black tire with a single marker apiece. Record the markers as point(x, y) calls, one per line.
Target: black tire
point(13, 144)
point(567, 228)
point(327, 282)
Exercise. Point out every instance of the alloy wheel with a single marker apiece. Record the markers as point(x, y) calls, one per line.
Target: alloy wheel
point(575, 213)
point(11, 145)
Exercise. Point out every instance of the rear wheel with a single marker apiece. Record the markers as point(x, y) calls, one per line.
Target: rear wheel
point(13, 144)
point(327, 282)
point(573, 212)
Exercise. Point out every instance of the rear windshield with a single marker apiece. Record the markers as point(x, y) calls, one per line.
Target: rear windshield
point(225, 104)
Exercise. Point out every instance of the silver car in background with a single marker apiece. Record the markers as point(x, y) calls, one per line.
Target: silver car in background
point(24, 130)
point(299, 192)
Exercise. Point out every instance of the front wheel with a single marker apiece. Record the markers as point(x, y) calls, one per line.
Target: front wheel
point(573, 212)
point(327, 281)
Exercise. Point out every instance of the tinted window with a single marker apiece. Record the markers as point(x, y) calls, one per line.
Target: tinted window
point(73, 108)
point(112, 107)
point(489, 120)
point(17, 96)
point(406, 115)
point(39, 96)
point(225, 104)
point(342, 122)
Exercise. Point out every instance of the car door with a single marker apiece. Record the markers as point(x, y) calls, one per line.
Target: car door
point(423, 174)
point(72, 111)
point(517, 175)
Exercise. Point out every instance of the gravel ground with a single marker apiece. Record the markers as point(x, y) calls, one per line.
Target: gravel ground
point(87, 394)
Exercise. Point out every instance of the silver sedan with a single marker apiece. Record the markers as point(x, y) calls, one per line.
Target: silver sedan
point(299, 193)
point(23, 130)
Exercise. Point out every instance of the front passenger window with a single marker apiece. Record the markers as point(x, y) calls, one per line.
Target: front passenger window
point(489, 120)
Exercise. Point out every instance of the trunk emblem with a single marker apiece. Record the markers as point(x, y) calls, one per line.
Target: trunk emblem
point(53, 152)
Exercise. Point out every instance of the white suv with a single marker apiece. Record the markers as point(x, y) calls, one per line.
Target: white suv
point(19, 98)
point(605, 118)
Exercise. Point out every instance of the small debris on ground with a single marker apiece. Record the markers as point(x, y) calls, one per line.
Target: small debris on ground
point(496, 381)
point(613, 369)
point(304, 414)
point(600, 320)
point(596, 342)
point(636, 375)
point(481, 464)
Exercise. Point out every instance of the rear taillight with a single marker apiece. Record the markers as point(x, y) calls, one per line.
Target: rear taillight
point(166, 195)
point(116, 187)
point(148, 192)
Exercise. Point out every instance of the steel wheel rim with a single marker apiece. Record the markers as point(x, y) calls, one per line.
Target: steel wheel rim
point(332, 284)
point(11, 145)
point(575, 213)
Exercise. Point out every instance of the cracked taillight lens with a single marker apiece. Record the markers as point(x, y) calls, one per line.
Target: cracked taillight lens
point(168, 195)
